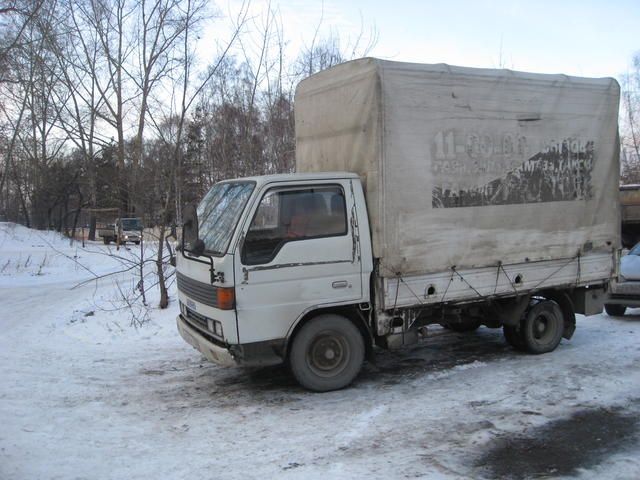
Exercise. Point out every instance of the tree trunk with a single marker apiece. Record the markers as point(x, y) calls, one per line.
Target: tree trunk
point(164, 295)
point(92, 226)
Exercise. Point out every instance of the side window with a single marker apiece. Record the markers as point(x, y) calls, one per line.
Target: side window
point(286, 215)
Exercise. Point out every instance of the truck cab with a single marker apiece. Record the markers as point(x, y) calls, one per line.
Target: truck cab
point(129, 230)
point(121, 231)
point(270, 255)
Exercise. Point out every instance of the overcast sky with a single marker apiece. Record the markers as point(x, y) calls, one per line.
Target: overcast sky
point(587, 38)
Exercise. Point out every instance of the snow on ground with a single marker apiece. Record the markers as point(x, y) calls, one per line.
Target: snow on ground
point(84, 395)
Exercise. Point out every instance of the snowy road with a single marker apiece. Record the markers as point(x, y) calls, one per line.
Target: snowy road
point(87, 396)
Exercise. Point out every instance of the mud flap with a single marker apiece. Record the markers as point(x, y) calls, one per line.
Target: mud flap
point(510, 312)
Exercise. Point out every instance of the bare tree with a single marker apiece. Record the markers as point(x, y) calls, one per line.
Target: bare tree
point(184, 95)
point(111, 21)
point(33, 104)
point(630, 123)
point(326, 51)
point(79, 56)
point(15, 17)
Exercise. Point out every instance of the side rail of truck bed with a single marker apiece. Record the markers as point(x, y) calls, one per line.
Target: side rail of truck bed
point(468, 285)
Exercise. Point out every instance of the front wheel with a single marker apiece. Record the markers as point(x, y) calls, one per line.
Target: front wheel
point(327, 353)
point(105, 240)
point(614, 310)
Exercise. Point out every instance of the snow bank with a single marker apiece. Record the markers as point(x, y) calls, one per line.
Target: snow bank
point(40, 257)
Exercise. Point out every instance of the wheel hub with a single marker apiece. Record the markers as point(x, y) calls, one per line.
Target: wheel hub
point(544, 327)
point(540, 326)
point(328, 354)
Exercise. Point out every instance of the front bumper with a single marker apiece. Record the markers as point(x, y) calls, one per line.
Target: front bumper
point(625, 293)
point(210, 350)
point(258, 354)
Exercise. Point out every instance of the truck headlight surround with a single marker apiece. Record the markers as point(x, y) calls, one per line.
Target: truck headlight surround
point(217, 328)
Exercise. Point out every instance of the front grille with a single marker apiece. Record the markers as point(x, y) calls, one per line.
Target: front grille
point(618, 296)
point(198, 291)
point(197, 319)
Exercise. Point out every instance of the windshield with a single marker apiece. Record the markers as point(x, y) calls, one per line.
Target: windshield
point(218, 214)
point(131, 224)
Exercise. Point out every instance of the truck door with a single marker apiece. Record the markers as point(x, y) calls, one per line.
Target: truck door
point(299, 251)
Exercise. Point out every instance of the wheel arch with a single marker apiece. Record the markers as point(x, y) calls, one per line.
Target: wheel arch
point(351, 312)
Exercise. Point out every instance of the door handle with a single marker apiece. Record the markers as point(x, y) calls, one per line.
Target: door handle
point(340, 284)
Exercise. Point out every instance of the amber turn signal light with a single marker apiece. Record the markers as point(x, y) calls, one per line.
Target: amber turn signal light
point(225, 298)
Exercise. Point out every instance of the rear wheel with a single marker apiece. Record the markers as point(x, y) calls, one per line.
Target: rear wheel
point(541, 327)
point(614, 310)
point(327, 353)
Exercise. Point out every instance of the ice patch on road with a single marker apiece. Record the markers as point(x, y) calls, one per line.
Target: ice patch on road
point(459, 368)
point(359, 427)
point(468, 366)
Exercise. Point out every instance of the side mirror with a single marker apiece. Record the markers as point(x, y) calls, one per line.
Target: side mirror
point(190, 234)
point(197, 247)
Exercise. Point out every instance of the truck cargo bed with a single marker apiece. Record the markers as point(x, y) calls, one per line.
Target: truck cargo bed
point(466, 169)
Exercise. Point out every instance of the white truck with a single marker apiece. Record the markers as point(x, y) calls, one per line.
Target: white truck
point(424, 195)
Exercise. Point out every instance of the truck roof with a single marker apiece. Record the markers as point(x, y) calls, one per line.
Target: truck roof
point(446, 70)
point(288, 177)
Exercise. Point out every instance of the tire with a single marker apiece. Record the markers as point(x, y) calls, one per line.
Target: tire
point(137, 243)
point(105, 240)
point(541, 327)
point(464, 327)
point(514, 337)
point(614, 310)
point(327, 353)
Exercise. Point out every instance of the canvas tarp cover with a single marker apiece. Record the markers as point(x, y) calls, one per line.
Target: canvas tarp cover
point(467, 167)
